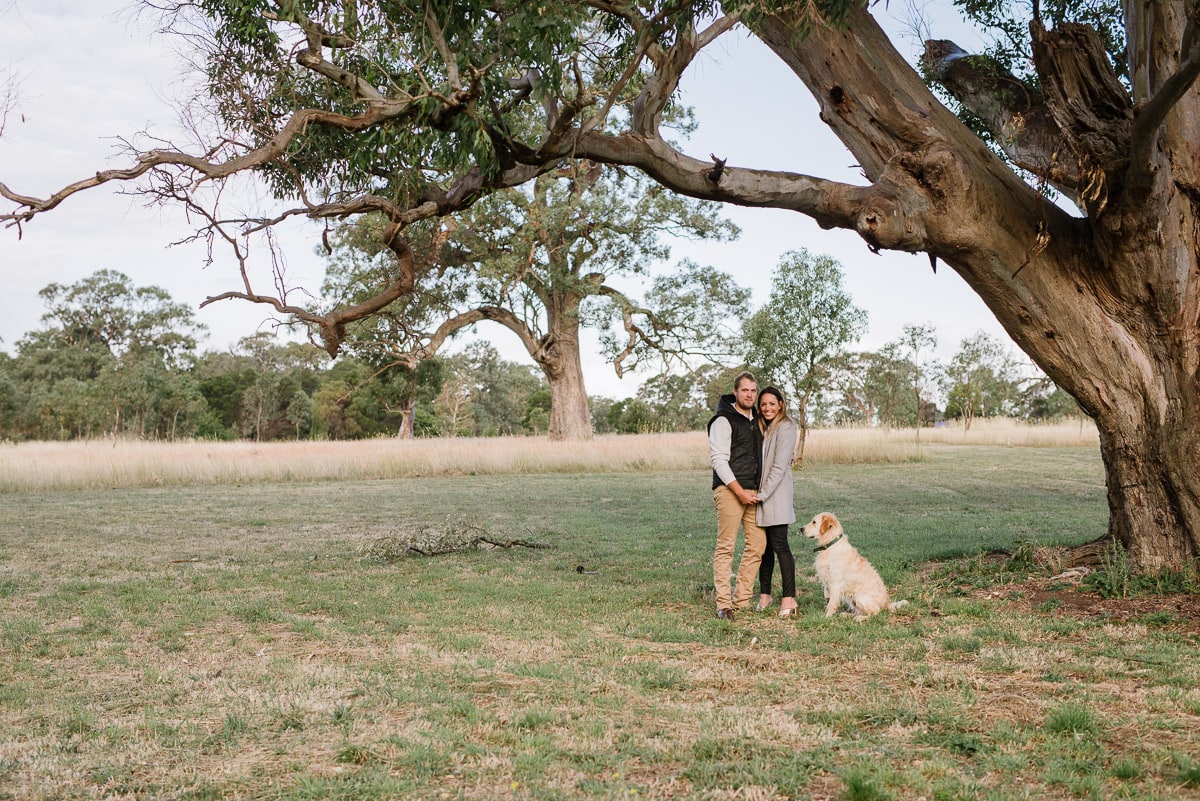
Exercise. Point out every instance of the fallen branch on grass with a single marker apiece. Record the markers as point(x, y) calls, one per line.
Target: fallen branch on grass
point(452, 535)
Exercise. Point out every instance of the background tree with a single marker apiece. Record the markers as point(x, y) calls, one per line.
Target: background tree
point(809, 319)
point(542, 263)
point(222, 378)
point(666, 402)
point(851, 403)
point(105, 308)
point(680, 401)
point(915, 342)
point(1043, 401)
point(887, 385)
point(108, 362)
point(417, 111)
point(401, 338)
point(261, 388)
point(452, 408)
point(488, 395)
point(9, 403)
point(979, 380)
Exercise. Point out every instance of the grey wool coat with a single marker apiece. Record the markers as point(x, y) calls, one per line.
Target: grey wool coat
point(775, 489)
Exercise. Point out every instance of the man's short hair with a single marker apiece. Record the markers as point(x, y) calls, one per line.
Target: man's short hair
point(737, 382)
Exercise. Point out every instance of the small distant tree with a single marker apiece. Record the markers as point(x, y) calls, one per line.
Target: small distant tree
point(677, 401)
point(298, 411)
point(273, 372)
point(600, 406)
point(913, 342)
point(809, 319)
point(852, 402)
point(717, 380)
point(979, 380)
point(9, 403)
point(1044, 401)
point(887, 384)
point(500, 391)
point(453, 411)
point(538, 411)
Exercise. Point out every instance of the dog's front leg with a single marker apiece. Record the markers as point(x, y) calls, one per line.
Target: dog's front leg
point(833, 597)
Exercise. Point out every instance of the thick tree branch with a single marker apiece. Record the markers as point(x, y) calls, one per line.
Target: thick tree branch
point(669, 67)
point(873, 211)
point(1150, 117)
point(1021, 125)
point(431, 343)
point(332, 326)
point(1089, 106)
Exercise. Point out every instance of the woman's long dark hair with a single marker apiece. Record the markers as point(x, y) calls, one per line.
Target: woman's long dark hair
point(783, 415)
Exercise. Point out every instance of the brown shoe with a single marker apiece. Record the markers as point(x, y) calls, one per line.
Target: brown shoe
point(725, 614)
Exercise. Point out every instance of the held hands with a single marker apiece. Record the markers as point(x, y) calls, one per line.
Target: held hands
point(747, 497)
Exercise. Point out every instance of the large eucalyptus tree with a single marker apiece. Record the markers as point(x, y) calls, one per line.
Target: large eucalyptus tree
point(546, 262)
point(414, 110)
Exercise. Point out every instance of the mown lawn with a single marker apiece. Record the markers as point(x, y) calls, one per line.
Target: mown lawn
point(247, 642)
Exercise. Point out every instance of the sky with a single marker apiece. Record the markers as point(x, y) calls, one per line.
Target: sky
point(86, 72)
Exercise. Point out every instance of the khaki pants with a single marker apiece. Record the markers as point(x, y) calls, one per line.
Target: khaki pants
point(732, 513)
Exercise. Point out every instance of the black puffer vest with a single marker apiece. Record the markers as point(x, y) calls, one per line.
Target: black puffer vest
point(745, 445)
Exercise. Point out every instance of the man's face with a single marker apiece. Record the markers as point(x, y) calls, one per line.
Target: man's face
point(745, 394)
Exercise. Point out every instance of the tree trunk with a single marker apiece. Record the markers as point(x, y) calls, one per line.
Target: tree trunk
point(570, 414)
point(408, 414)
point(801, 433)
point(1108, 304)
point(557, 354)
point(1153, 475)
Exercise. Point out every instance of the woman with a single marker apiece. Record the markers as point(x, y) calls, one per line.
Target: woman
point(775, 510)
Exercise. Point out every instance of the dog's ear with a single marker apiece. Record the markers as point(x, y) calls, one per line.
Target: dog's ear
point(828, 521)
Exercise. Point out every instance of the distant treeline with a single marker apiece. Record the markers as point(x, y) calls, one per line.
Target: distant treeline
point(115, 360)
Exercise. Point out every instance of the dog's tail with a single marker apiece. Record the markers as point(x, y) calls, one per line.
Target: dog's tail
point(894, 605)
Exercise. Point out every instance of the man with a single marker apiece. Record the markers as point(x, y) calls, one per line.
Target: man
point(735, 448)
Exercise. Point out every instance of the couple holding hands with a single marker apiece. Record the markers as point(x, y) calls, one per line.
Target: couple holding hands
point(750, 442)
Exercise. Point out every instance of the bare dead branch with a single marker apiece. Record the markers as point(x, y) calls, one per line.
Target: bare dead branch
point(452, 535)
point(207, 170)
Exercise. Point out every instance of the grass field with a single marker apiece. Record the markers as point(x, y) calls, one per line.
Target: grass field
point(106, 463)
point(246, 640)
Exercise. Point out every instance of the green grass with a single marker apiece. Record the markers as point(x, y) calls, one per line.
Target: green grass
point(234, 642)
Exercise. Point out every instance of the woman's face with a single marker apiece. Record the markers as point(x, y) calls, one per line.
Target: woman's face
point(768, 407)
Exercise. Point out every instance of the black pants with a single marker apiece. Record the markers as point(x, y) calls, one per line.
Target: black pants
point(777, 547)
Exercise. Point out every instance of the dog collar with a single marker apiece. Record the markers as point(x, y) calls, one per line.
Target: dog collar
point(830, 545)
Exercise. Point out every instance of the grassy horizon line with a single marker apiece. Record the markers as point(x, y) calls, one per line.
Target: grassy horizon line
point(118, 463)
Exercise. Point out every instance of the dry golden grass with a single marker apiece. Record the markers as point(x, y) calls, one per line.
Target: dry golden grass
point(231, 642)
point(855, 445)
point(133, 463)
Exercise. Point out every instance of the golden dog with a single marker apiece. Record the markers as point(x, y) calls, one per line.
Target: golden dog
point(847, 578)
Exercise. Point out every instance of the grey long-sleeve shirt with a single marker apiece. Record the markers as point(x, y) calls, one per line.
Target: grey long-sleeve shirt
point(720, 446)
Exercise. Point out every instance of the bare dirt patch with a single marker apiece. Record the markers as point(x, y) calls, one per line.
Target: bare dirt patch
point(1068, 597)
